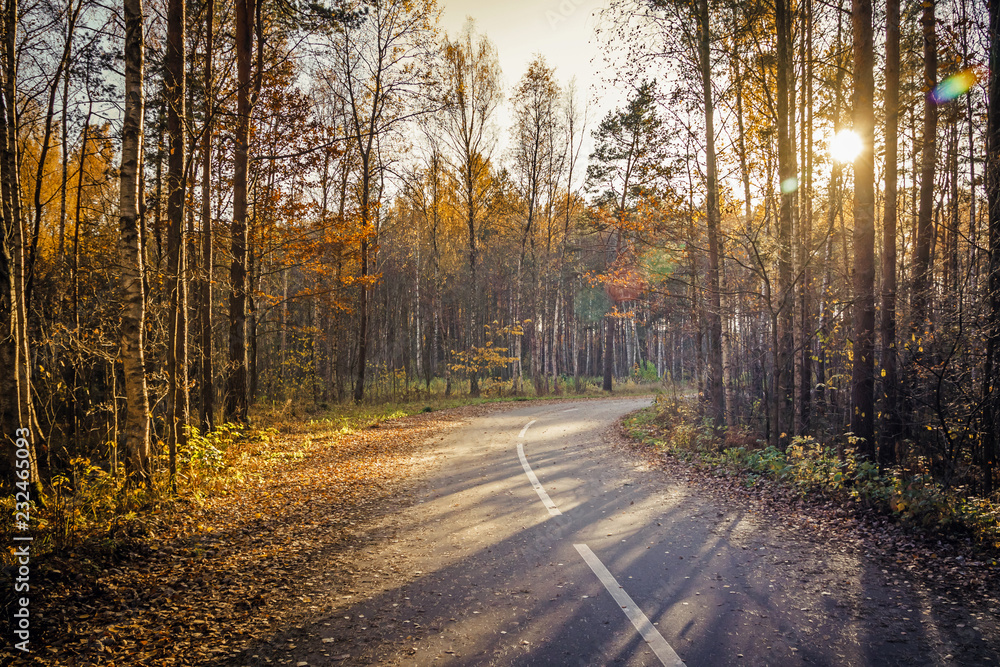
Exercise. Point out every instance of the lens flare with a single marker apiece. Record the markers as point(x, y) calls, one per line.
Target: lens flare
point(790, 185)
point(845, 146)
point(954, 86)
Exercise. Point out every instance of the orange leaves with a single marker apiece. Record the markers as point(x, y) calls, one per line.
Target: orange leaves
point(623, 281)
point(269, 555)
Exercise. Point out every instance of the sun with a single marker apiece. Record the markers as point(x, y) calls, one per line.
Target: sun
point(845, 146)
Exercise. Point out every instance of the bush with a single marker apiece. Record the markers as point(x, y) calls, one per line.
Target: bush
point(812, 468)
point(645, 372)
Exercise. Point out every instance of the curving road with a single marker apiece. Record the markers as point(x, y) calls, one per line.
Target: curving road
point(532, 542)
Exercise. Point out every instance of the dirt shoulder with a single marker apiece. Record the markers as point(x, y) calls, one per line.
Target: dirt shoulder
point(957, 582)
point(205, 585)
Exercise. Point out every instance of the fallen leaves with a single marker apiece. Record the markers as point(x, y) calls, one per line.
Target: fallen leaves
point(960, 574)
point(211, 583)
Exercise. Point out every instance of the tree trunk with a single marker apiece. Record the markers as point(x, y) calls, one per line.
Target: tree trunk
point(207, 248)
point(237, 397)
point(175, 98)
point(129, 249)
point(609, 319)
point(863, 370)
point(970, 108)
point(253, 281)
point(472, 336)
point(783, 355)
point(890, 416)
point(64, 190)
point(553, 356)
point(13, 410)
point(359, 387)
point(75, 271)
point(991, 414)
point(418, 325)
point(806, 352)
point(609, 350)
point(920, 298)
point(715, 384)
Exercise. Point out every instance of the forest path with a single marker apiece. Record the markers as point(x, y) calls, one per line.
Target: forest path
point(484, 568)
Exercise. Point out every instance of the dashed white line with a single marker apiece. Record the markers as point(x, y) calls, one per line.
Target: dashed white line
point(653, 638)
point(525, 429)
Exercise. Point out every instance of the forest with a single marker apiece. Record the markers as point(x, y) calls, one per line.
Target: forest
point(215, 205)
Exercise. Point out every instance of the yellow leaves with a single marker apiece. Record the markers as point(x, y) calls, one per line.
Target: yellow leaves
point(489, 356)
point(482, 359)
point(514, 329)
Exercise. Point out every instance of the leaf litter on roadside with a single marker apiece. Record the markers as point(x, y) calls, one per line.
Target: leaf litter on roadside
point(205, 586)
point(961, 580)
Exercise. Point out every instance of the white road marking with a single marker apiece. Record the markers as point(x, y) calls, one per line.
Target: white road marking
point(652, 636)
point(549, 505)
point(570, 409)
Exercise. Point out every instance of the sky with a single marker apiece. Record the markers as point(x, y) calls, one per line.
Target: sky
point(561, 30)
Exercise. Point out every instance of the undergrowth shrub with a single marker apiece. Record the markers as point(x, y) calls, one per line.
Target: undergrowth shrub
point(91, 502)
point(812, 468)
point(645, 372)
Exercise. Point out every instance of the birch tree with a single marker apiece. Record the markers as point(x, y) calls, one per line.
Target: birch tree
point(130, 252)
point(175, 93)
point(382, 78)
point(473, 93)
point(536, 126)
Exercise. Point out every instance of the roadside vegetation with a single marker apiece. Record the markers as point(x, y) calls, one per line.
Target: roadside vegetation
point(91, 508)
point(216, 218)
point(813, 467)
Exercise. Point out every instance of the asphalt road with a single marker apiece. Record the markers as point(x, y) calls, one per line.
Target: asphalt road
point(601, 560)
